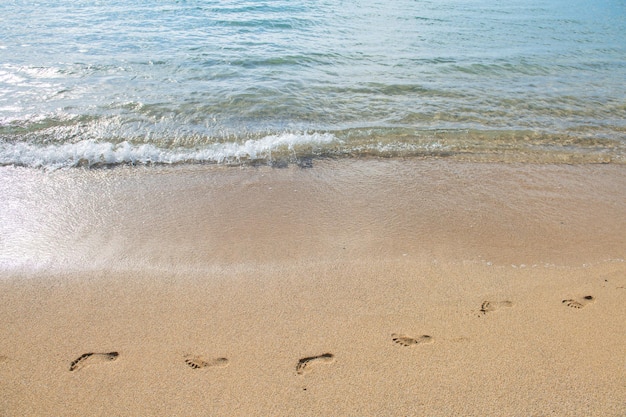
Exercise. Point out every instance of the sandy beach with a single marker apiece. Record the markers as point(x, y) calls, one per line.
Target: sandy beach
point(360, 287)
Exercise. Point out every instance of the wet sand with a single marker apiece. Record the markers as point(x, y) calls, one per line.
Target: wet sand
point(354, 287)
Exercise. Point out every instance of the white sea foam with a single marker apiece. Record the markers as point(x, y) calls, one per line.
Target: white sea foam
point(7, 77)
point(95, 153)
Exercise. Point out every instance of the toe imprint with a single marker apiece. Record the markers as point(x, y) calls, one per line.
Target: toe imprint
point(305, 364)
point(197, 362)
point(91, 358)
point(403, 340)
point(579, 303)
point(488, 306)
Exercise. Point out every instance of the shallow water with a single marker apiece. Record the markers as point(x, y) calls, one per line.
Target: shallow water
point(200, 218)
point(93, 83)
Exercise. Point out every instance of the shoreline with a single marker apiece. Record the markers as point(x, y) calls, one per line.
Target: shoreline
point(206, 216)
point(374, 287)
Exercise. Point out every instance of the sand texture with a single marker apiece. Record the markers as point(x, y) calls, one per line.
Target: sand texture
point(351, 288)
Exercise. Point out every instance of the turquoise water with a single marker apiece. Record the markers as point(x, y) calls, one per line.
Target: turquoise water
point(94, 83)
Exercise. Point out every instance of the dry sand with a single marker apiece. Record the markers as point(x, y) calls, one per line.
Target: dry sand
point(353, 288)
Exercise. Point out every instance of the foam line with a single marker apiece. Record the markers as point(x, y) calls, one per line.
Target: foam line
point(94, 153)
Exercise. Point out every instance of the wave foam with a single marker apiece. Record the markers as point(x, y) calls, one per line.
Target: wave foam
point(91, 152)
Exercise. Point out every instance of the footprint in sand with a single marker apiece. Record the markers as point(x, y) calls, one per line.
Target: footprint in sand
point(198, 362)
point(87, 359)
point(489, 306)
point(579, 303)
point(403, 340)
point(3, 359)
point(305, 364)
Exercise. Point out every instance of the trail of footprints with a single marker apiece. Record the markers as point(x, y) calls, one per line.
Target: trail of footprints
point(307, 364)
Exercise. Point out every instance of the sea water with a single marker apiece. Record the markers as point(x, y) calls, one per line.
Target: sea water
point(93, 83)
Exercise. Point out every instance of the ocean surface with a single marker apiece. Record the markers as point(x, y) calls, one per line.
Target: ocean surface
point(99, 83)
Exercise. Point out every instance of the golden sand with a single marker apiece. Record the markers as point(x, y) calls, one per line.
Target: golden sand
point(353, 288)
